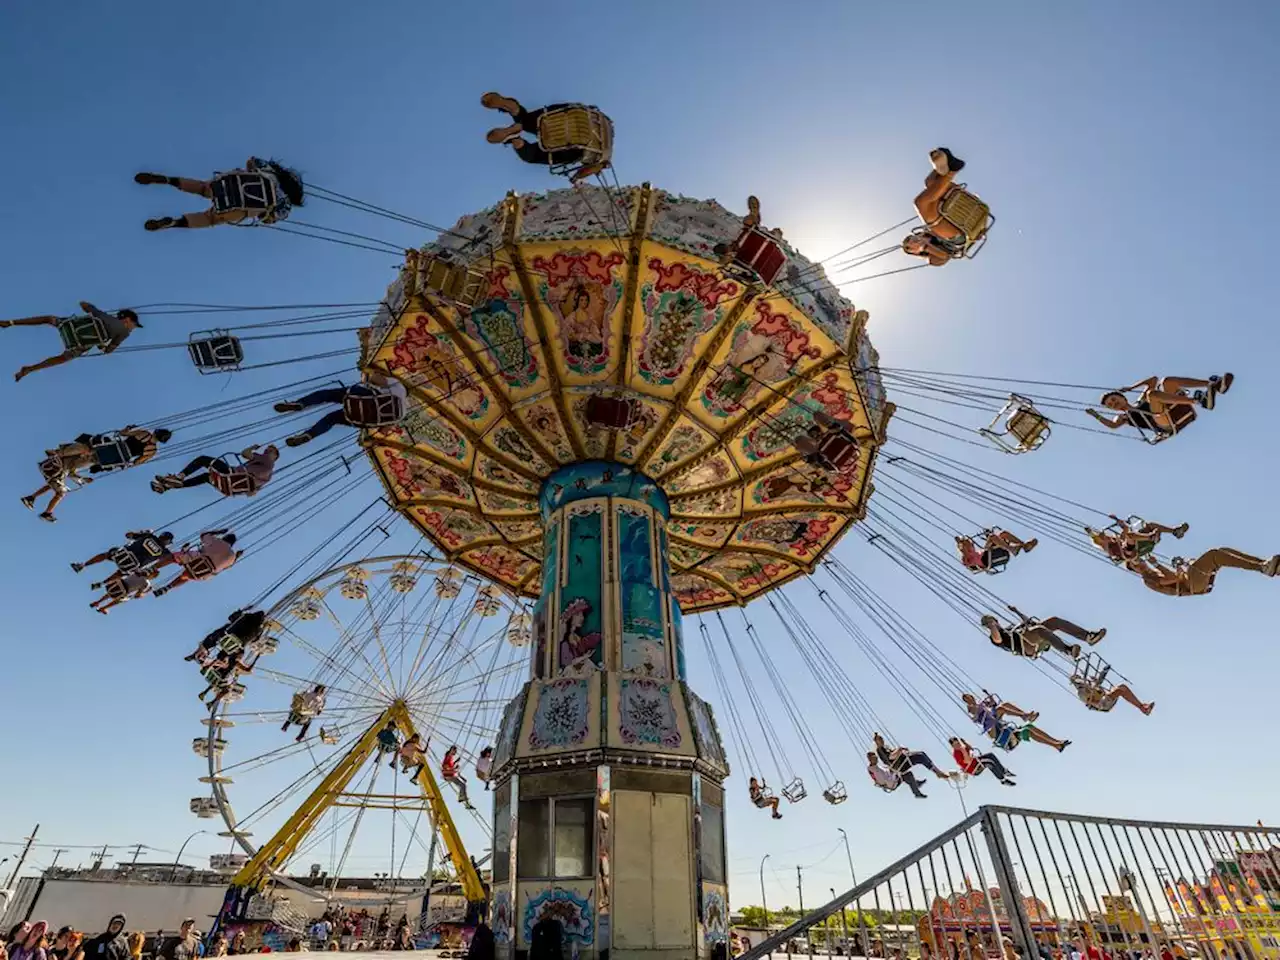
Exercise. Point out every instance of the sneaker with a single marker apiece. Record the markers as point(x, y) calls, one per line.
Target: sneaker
point(166, 481)
point(148, 178)
point(1033, 716)
point(1204, 398)
point(77, 567)
point(48, 517)
point(1146, 710)
point(1223, 384)
point(1008, 783)
point(288, 406)
point(1065, 744)
point(948, 162)
point(29, 502)
point(298, 439)
point(1075, 651)
point(1180, 530)
point(1030, 545)
point(163, 223)
point(1096, 636)
point(1273, 566)
point(777, 815)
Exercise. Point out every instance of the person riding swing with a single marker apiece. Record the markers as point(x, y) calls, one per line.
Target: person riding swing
point(263, 191)
point(761, 797)
point(378, 402)
point(998, 547)
point(589, 155)
point(93, 329)
point(215, 553)
point(305, 706)
point(1132, 539)
point(246, 478)
point(939, 241)
point(95, 453)
point(1164, 407)
point(1031, 637)
point(990, 715)
point(1196, 578)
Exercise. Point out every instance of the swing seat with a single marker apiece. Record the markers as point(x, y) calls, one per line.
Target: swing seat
point(234, 481)
point(402, 579)
point(577, 127)
point(447, 586)
point(1180, 415)
point(215, 350)
point(116, 589)
point(263, 646)
point(366, 410)
point(308, 605)
point(837, 449)
point(140, 553)
point(230, 643)
point(83, 333)
point(1019, 427)
point(235, 693)
point(330, 736)
point(836, 793)
point(612, 413)
point(206, 808)
point(758, 257)
point(52, 468)
point(111, 452)
point(199, 567)
point(795, 791)
point(966, 212)
point(353, 588)
point(458, 282)
point(243, 190)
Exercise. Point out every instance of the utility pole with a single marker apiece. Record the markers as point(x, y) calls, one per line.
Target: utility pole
point(853, 874)
point(58, 852)
point(13, 878)
point(137, 852)
point(100, 858)
point(764, 904)
point(800, 889)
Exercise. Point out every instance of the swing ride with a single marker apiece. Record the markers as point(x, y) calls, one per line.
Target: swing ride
point(602, 409)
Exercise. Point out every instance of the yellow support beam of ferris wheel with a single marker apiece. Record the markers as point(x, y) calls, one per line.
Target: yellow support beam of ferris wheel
point(472, 886)
point(273, 855)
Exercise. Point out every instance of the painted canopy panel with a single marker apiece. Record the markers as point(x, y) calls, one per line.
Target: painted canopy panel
point(603, 327)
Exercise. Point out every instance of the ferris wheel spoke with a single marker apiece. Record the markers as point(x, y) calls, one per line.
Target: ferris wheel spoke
point(322, 658)
point(294, 682)
point(424, 695)
point(382, 648)
point(469, 657)
point(427, 631)
point(357, 648)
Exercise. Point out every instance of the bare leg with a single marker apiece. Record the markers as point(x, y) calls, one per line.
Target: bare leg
point(1015, 545)
point(1150, 528)
point(58, 497)
point(929, 199)
point(106, 606)
point(96, 558)
point(1044, 636)
point(1013, 710)
point(45, 321)
point(201, 188)
point(64, 357)
point(1125, 693)
point(173, 584)
point(1039, 736)
point(1171, 386)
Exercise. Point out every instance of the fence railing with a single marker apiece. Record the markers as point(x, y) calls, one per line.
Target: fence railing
point(1040, 884)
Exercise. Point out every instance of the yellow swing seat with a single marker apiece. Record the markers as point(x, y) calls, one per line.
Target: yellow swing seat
point(968, 213)
point(577, 127)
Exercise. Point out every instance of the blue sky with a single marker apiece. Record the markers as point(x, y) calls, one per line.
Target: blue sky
point(1121, 149)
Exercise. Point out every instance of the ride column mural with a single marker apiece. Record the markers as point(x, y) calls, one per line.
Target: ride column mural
point(608, 416)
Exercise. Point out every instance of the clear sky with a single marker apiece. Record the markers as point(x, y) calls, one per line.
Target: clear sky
point(1119, 145)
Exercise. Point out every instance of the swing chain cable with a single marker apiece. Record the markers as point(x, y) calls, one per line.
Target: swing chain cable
point(915, 700)
point(737, 727)
point(804, 733)
point(852, 709)
point(776, 753)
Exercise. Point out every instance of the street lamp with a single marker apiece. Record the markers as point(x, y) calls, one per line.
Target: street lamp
point(845, 837)
point(764, 904)
point(173, 874)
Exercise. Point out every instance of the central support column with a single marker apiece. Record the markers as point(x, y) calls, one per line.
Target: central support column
point(608, 811)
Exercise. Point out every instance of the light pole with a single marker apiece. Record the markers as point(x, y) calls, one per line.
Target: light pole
point(764, 904)
point(845, 837)
point(173, 874)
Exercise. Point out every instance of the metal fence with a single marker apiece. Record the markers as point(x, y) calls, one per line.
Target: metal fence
point(1009, 881)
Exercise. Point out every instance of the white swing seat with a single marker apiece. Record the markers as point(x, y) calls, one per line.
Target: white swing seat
point(235, 693)
point(1019, 427)
point(366, 410)
point(836, 793)
point(215, 351)
point(330, 736)
point(263, 645)
point(795, 791)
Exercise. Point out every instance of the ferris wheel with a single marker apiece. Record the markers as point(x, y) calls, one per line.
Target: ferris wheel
point(301, 779)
